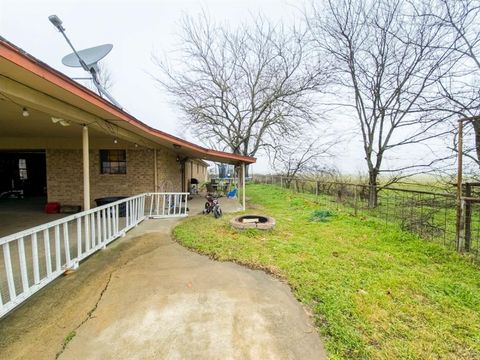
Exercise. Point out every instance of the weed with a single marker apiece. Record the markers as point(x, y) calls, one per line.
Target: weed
point(321, 215)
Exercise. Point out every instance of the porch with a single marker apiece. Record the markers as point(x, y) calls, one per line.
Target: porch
point(36, 256)
point(20, 214)
point(62, 143)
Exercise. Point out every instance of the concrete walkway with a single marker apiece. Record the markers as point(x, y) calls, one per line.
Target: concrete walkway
point(146, 297)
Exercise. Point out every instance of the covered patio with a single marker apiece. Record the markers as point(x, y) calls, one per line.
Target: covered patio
point(63, 144)
point(20, 214)
point(76, 133)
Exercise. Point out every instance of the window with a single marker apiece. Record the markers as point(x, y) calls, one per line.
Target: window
point(22, 169)
point(113, 161)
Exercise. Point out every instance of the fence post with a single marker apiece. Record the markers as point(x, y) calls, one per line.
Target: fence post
point(461, 232)
point(355, 200)
point(468, 216)
point(316, 188)
point(459, 226)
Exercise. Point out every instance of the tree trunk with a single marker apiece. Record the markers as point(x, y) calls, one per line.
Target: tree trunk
point(372, 188)
point(476, 127)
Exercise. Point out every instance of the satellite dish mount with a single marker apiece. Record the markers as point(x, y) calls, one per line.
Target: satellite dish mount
point(87, 59)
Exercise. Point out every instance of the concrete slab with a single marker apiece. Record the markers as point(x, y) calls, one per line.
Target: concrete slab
point(148, 297)
point(197, 204)
point(20, 214)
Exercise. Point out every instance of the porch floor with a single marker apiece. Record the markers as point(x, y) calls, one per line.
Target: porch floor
point(145, 296)
point(20, 214)
point(197, 204)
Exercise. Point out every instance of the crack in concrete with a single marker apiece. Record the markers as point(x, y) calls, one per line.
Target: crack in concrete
point(89, 316)
point(72, 333)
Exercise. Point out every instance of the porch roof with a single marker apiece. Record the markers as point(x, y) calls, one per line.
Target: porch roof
point(27, 81)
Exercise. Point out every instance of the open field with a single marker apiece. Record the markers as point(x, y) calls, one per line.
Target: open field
point(375, 291)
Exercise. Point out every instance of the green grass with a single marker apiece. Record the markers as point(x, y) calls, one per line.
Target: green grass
point(376, 292)
point(66, 340)
point(430, 216)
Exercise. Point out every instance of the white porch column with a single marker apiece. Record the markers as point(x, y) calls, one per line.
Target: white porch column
point(86, 169)
point(243, 186)
point(155, 171)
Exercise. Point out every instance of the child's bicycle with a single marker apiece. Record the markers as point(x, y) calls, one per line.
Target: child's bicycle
point(212, 205)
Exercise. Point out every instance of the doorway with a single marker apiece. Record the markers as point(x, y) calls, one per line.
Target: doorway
point(23, 174)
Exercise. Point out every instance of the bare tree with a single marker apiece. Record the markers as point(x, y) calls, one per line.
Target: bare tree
point(300, 157)
point(460, 89)
point(241, 89)
point(104, 76)
point(389, 58)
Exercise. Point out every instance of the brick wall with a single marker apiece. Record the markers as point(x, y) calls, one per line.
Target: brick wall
point(197, 170)
point(169, 172)
point(65, 175)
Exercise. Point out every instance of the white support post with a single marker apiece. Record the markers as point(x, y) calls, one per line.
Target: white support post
point(155, 171)
point(86, 170)
point(243, 186)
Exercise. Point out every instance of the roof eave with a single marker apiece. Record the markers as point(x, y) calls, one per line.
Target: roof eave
point(28, 62)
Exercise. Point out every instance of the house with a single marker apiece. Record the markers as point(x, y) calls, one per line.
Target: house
point(62, 140)
point(62, 143)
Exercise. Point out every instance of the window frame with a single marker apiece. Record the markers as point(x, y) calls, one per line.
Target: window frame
point(113, 161)
point(22, 169)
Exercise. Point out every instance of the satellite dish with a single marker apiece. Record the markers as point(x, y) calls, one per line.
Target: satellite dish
point(87, 59)
point(90, 56)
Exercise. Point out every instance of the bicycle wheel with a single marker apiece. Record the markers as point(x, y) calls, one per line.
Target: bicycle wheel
point(207, 208)
point(217, 212)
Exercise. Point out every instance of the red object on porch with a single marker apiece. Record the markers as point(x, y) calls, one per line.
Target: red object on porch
point(52, 207)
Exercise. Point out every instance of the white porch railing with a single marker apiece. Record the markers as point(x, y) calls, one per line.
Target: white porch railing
point(34, 257)
point(165, 205)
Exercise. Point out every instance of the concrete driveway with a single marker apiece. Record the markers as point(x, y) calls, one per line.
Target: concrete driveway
point(146, 297)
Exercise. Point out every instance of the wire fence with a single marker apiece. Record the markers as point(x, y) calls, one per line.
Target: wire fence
point(431, 215)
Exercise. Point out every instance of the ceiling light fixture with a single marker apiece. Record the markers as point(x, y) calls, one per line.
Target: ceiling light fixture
point(25, 112)
point(60, 121)
point(115, 141)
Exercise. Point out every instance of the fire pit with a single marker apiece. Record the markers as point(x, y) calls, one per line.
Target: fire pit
point(253, 222)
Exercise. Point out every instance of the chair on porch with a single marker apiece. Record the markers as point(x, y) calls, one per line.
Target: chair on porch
point(232, 194)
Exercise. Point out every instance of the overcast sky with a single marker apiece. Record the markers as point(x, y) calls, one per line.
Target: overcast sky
point(138, 29)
